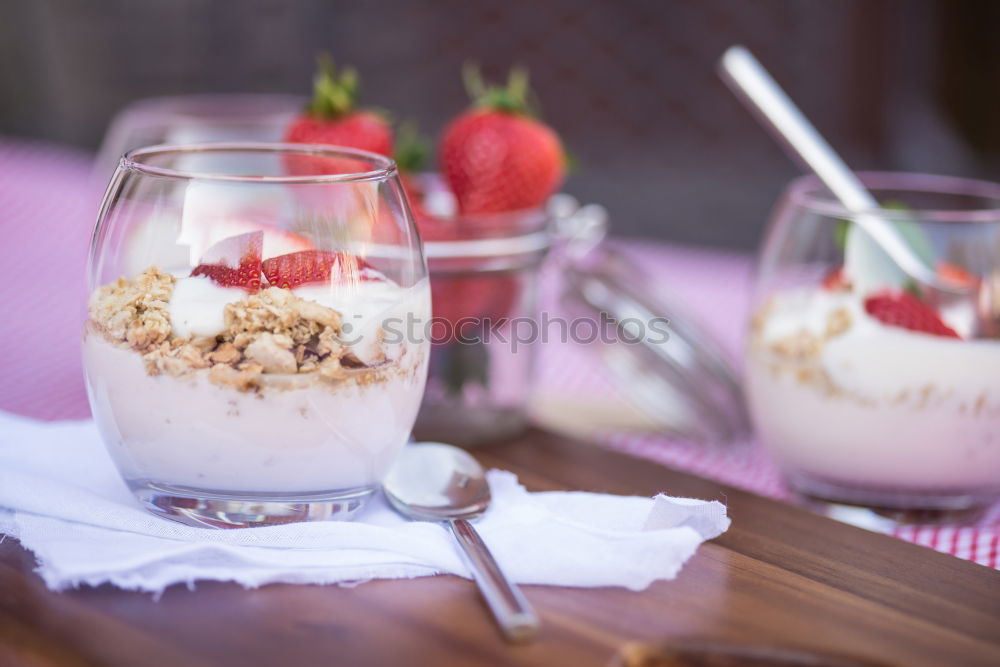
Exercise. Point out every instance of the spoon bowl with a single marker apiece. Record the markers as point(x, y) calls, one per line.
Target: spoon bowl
point(437, 482)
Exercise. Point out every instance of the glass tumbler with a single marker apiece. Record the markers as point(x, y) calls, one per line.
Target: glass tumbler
point(248, 351)
point(868, 388)
point(194, 119)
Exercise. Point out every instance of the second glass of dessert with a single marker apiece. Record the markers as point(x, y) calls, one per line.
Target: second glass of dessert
point(254, 350)
point(867, 387)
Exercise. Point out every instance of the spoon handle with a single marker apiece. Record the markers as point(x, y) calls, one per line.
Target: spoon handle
point(515, 616)
point(754, 85)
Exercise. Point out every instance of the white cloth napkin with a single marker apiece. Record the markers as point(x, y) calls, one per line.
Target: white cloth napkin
point(64, 501)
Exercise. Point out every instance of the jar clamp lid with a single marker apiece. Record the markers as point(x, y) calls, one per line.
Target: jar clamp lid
point(675, 374)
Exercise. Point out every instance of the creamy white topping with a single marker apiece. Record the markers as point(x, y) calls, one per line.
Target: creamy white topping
point(876, 361)
point(197, 306)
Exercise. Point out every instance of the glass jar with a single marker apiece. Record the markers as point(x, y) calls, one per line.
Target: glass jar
point(868, 388)
point(484, 281)
point(248, 352)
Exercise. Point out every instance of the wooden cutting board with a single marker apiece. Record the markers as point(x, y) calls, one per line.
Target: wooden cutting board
point(783, 586)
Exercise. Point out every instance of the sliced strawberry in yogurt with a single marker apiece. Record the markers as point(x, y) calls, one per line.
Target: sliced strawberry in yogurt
point(898, 308)
point(956, 275)
point(836, 280)
point(277, 241)
point(234, 261)
point(311, 267)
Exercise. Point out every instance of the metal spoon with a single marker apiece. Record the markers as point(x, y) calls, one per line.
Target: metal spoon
point(747, 77)
point(436, 482)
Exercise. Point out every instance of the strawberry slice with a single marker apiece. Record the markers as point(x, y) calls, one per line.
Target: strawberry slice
point(316, 266)
point(901, 309)
point(835, 280)
point(277, 241)
point(956, 274)
point(234, 261)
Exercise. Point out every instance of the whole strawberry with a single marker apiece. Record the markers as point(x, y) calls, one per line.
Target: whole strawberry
point(331, 117)
point(497, 157)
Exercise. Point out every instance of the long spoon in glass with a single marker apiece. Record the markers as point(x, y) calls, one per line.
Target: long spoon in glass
point(752, 83)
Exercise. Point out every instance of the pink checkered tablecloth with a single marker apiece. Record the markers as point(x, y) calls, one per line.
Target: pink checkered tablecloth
point(47, 208)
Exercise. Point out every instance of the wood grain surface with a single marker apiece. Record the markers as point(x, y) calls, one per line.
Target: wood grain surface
point(782, 583)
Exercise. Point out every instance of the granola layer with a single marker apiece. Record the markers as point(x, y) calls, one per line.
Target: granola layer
point(272, 332)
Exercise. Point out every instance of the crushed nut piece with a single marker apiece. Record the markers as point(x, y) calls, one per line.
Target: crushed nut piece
point(241, 380)
point(838, 323)
point(273, 352)
point(225, 353)
point(803, 345)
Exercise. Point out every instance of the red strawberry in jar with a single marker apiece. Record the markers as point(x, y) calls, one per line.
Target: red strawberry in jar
point(496, 156)
point(333, 119)
point(501, 164)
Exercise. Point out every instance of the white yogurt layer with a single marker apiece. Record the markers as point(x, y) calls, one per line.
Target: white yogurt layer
point(197, 306)
point(190, 432)
point(908, 409)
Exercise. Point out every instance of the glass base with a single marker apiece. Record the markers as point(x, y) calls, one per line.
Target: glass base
point(886, 520)
point(227, 509)
point(885, 508)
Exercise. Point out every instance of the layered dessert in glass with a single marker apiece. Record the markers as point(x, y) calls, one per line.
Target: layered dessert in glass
point(275, 380)
point(867, 389)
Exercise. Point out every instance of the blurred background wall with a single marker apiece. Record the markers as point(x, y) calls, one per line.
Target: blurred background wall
point(630, 84)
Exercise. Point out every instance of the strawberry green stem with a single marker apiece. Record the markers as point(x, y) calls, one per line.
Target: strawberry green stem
point(333, 95)
point(412, 149)
point(512, 98)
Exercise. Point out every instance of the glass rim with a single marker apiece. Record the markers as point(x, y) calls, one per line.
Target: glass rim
point(385, 167)
point(809, 193)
